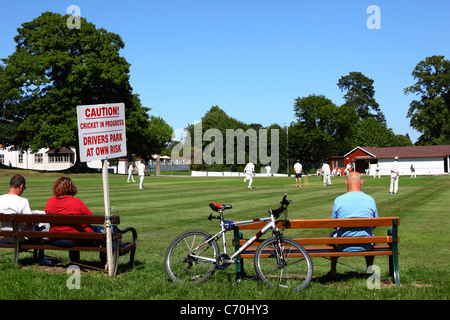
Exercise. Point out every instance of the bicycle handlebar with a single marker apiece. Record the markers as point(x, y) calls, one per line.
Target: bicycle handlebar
point(284, 204)
point(276, 212)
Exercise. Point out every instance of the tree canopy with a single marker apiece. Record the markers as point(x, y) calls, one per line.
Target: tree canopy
point(218, 133)
point(54, 69)
point(430, 114)
point(322, 129)
point(360, 95)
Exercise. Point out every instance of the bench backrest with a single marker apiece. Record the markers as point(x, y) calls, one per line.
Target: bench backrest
point(54, 220)
point(57, 219)
point(328, 223)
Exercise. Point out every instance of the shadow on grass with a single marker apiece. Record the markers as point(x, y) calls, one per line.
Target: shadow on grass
point(60, 265)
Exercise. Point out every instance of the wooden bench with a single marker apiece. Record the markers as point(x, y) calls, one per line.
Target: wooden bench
point(322, 246)
point(44, 238)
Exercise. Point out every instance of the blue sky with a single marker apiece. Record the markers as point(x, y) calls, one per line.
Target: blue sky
point(254, 58)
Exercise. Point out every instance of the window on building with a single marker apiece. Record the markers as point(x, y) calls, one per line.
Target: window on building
point(60, 157)
point(38, 158)
point(338, 164)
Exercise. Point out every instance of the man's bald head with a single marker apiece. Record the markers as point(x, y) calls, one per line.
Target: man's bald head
point(354, 181)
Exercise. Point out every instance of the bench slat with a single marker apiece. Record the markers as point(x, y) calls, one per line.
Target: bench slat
point(327, 251)
point(58, 219)
point(330, 240)
point(56, 235)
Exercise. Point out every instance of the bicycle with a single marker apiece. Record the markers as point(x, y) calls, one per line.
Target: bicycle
point(194, 256)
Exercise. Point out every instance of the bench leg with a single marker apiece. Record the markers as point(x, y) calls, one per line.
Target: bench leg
point(239, 272)
point(132, 257)
point(394, 269)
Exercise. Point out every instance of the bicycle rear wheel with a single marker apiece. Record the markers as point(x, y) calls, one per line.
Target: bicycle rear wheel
point(183, 260)
point(288, 265)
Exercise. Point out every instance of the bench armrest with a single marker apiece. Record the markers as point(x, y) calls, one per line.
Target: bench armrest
point(129, 229)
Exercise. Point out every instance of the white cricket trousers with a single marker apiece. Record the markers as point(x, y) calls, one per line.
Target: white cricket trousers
point(394, 185)
point(249, 178)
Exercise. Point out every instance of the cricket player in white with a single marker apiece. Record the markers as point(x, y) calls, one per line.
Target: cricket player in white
point(141, 171)
point(395, 173)
point(377, 172)
point(268, 171)
point(326, 174)
point(298, 174)
point(130, 172)
point(249, 172)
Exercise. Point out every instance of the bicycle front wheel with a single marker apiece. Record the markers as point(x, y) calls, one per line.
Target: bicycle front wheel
point(283, 263)
point(189, 258)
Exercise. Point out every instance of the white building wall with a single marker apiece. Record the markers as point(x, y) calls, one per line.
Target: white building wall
point(29, 160)
point(423, 166)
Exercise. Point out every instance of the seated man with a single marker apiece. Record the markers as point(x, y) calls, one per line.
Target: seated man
point(353, 204)
point(13, 202)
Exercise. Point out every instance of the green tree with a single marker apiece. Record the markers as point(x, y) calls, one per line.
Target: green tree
point(160, 134)
point(430, 114)
point(360, 95)
point(54, 69)
point(403, 140)
point(235, 140)
point(322, 129)
point(371, 133)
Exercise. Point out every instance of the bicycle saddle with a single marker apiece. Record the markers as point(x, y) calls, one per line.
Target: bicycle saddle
point(216, 207)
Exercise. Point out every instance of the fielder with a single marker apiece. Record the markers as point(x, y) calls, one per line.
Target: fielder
point(377, 172)
point(395, 173)
point(413, 171)
point(298, 174)
point(326, 174)
point(268, 171)
point(249, 172)
point(130, 172)
point(141, 172)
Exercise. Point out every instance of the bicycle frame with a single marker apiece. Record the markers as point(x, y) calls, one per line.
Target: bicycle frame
point(223, 231)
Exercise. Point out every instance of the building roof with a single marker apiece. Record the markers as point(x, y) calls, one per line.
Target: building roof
point(62, 150)
point(405, 152)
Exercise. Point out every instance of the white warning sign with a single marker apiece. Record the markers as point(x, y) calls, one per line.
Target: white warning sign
point(101, 131)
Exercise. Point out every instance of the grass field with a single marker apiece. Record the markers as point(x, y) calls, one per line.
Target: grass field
point(173, 204)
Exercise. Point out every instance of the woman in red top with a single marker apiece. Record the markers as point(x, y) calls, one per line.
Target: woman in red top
point(64, 203)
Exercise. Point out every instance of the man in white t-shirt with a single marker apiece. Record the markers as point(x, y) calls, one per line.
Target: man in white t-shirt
point(249, 172)
point(395, 173)
point(298, 174)
point(141, 172)
point(12, 202)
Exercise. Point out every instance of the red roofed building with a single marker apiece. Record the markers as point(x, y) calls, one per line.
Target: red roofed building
point(425, 159)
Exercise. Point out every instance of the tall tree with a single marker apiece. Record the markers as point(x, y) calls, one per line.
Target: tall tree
point(160, 135)
point(54, 69)
point(360, 95)
point(322, 128)
point(430, 114)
